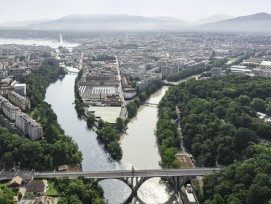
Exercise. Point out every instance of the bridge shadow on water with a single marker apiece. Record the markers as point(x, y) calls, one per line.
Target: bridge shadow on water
point(140, 198)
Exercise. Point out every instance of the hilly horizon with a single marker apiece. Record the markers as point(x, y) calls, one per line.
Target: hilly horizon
point(214, 18)
point(110, 22)
point(259, 22)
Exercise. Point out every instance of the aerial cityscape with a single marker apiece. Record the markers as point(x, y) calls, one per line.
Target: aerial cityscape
point(135, 102)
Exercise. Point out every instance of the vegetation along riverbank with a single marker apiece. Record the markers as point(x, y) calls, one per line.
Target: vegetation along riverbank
point(54, 148)
point(220, 124)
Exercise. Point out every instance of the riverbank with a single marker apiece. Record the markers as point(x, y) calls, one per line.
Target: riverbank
point(110, 135)
point(143, 95)
point(54, 148)
point(61, 97)
point(79, 105)
point(38, 81)
point(107, 134)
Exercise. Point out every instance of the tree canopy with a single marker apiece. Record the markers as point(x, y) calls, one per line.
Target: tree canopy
point(219, 125)
point(54, 148)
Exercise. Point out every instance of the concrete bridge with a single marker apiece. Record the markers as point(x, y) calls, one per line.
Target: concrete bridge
point(132, 178)
point(150, 104)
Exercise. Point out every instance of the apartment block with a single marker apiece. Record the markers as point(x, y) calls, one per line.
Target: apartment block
point(29, 126)
point(8, 109)
point(19, 100)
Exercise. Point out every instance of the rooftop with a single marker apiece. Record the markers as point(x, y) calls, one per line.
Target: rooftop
point(266, 63)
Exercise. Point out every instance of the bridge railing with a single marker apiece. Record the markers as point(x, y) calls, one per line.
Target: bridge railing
point(117, 173)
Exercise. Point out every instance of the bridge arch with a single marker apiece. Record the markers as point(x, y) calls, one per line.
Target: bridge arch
point(143, 180)
point(124, 180)
point(134, 183)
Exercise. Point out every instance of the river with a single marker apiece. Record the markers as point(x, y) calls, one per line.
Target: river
point(140, 150)
point(138, 144)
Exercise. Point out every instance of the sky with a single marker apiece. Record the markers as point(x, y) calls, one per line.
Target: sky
point(21, 10)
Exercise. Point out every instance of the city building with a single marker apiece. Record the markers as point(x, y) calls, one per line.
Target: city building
point(37, 186)
point(262, 72)
point(28, 126)
point(20, 89)
point(8, 109)
point(19, 100)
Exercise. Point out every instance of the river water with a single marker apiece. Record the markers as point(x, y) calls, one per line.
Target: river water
point(138, 144)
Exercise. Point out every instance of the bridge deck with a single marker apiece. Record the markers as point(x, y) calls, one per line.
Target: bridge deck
point(118, 173)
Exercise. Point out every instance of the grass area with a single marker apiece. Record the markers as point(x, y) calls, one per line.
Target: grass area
point(198, 188)
point(185, 161)
point(52, 190)
point(52, 199)
point(74, 167)
point(3, 184)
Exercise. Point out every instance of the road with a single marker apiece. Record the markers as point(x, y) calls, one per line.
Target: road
point(131, 173)
point(120, 173)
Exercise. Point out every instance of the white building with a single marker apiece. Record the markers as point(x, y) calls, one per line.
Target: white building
point(20, 89)
point(29, 126)
point(19, 100)
point(8, 109)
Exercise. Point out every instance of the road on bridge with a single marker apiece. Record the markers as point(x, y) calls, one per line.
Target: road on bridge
point(131, 173)
point(149, 173)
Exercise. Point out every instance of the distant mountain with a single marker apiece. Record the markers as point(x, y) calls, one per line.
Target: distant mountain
point(260, 22)
point(214, 18)
point(17, 24)
point(111, 22)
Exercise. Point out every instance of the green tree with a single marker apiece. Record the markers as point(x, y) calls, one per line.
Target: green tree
point(119, 124)
point(6, 196)
point(90, 120)
point(258, 105)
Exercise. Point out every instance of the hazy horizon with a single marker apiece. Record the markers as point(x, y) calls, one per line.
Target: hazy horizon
point(16, 10)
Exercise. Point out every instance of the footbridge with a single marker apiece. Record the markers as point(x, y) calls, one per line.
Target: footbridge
point(132, 178)
point(150, 104)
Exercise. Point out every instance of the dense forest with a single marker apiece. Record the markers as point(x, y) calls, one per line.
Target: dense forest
point(79, 191)
point(245, 181)
point(54, 148)
point(38, 81)
point(219, 123)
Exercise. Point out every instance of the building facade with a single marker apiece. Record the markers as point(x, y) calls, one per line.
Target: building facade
point(8, 109)
point(29, 126)
point(19, 100)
